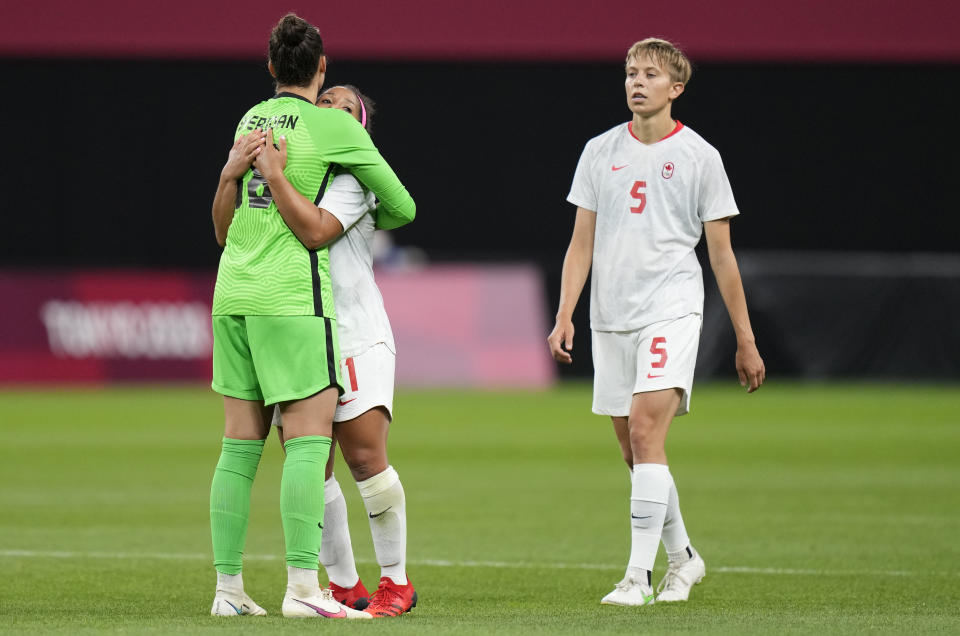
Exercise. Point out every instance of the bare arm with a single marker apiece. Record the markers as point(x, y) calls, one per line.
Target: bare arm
point(244, 151)
point(724, 265)
point(314, 227)
point(223, 206)
point(576, 267)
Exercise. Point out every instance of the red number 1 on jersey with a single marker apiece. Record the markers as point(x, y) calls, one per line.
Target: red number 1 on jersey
point(640, 196)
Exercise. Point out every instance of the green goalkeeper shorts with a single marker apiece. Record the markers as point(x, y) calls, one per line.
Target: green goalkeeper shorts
point(275, 358)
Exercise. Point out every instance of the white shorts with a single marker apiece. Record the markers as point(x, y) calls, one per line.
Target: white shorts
point(367, 382)
point(659, 356)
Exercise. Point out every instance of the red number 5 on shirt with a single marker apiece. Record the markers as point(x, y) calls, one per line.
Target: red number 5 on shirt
point(640, 196)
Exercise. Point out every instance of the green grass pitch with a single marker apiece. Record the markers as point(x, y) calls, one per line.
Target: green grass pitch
point(818, 509)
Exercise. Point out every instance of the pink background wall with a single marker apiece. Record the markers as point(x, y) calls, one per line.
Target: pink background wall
point(478, 326)
point(469, 325)
point(811, 30)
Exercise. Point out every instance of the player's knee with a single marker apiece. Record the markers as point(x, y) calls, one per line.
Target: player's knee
point(364, 471)
point(364, 463)
point(645, 438)
point(641, 429)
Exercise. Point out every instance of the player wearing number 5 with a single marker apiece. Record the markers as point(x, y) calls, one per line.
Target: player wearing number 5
point(645, 192)
point(274, 322)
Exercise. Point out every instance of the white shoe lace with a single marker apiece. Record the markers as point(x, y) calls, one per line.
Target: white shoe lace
point(628, 584)
point(624, 585)
point(671, 580)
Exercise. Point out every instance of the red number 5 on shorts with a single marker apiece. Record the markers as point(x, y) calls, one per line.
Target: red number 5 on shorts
point(657, 350)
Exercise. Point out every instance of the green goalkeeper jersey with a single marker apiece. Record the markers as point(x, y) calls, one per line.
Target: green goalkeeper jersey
point(264, 269)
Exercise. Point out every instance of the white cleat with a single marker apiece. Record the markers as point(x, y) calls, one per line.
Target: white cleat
point(229, 603)
point(629, 592)
point(318, 604)
point(680, 577)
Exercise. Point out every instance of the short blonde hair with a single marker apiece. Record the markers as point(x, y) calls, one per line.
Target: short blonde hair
point(666, 55)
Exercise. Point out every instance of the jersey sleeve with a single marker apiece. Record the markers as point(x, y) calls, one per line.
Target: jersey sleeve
point(349, 146)
point(583, 191)
point(346, 200)
point(716, 196)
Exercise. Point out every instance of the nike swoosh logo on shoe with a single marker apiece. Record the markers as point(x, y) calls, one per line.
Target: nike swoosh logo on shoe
point(235, 609)
point(322, 612)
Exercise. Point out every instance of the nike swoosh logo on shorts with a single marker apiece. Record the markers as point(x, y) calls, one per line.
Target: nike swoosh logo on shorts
point(650, 377)
point(615, 168)
point(341, 403)
point(322, 612)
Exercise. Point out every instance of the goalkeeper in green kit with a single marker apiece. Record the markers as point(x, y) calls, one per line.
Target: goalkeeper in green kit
point(274, 322)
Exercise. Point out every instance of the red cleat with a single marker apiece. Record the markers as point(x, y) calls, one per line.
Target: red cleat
point(356, 597)
point(391, 599)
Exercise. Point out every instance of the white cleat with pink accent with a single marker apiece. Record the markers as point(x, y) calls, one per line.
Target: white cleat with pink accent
point(318, 603)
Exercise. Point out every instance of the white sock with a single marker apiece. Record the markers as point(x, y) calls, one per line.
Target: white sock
point(386, 506)
point(302, 582)
point(336, 550)
point(648, 507)
point(675, 539)
point(681, 556)
point(230, 582)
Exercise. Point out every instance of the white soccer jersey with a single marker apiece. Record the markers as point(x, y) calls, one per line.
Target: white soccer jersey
point(361, 317)
point(651, 203)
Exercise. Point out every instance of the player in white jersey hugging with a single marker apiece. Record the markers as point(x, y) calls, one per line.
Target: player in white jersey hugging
point(645, 192)
point(367, 359)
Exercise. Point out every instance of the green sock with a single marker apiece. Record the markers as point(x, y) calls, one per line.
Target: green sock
point(230, 501)
point(301, 498)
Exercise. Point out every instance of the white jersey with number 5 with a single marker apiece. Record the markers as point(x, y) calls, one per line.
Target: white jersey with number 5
point(651, 203)
point(361, 317)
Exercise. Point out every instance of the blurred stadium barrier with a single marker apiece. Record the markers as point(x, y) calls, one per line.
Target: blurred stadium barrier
point(817, 315)
point(463, 325)
point(834, 315)
point(469, 325)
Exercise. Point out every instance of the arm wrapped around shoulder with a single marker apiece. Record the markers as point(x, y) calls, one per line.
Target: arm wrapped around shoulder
point(348, 144)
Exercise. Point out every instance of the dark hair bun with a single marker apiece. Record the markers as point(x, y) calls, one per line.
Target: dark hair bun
point(295, 50)
point(291, 30)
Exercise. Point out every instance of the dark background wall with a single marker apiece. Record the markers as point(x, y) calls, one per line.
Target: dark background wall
point(113, 163)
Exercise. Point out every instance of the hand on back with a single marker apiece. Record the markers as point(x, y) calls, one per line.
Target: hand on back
point(245, 149)
point(273, 159)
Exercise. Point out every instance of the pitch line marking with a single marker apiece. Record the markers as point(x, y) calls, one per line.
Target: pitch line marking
point(443, 563)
